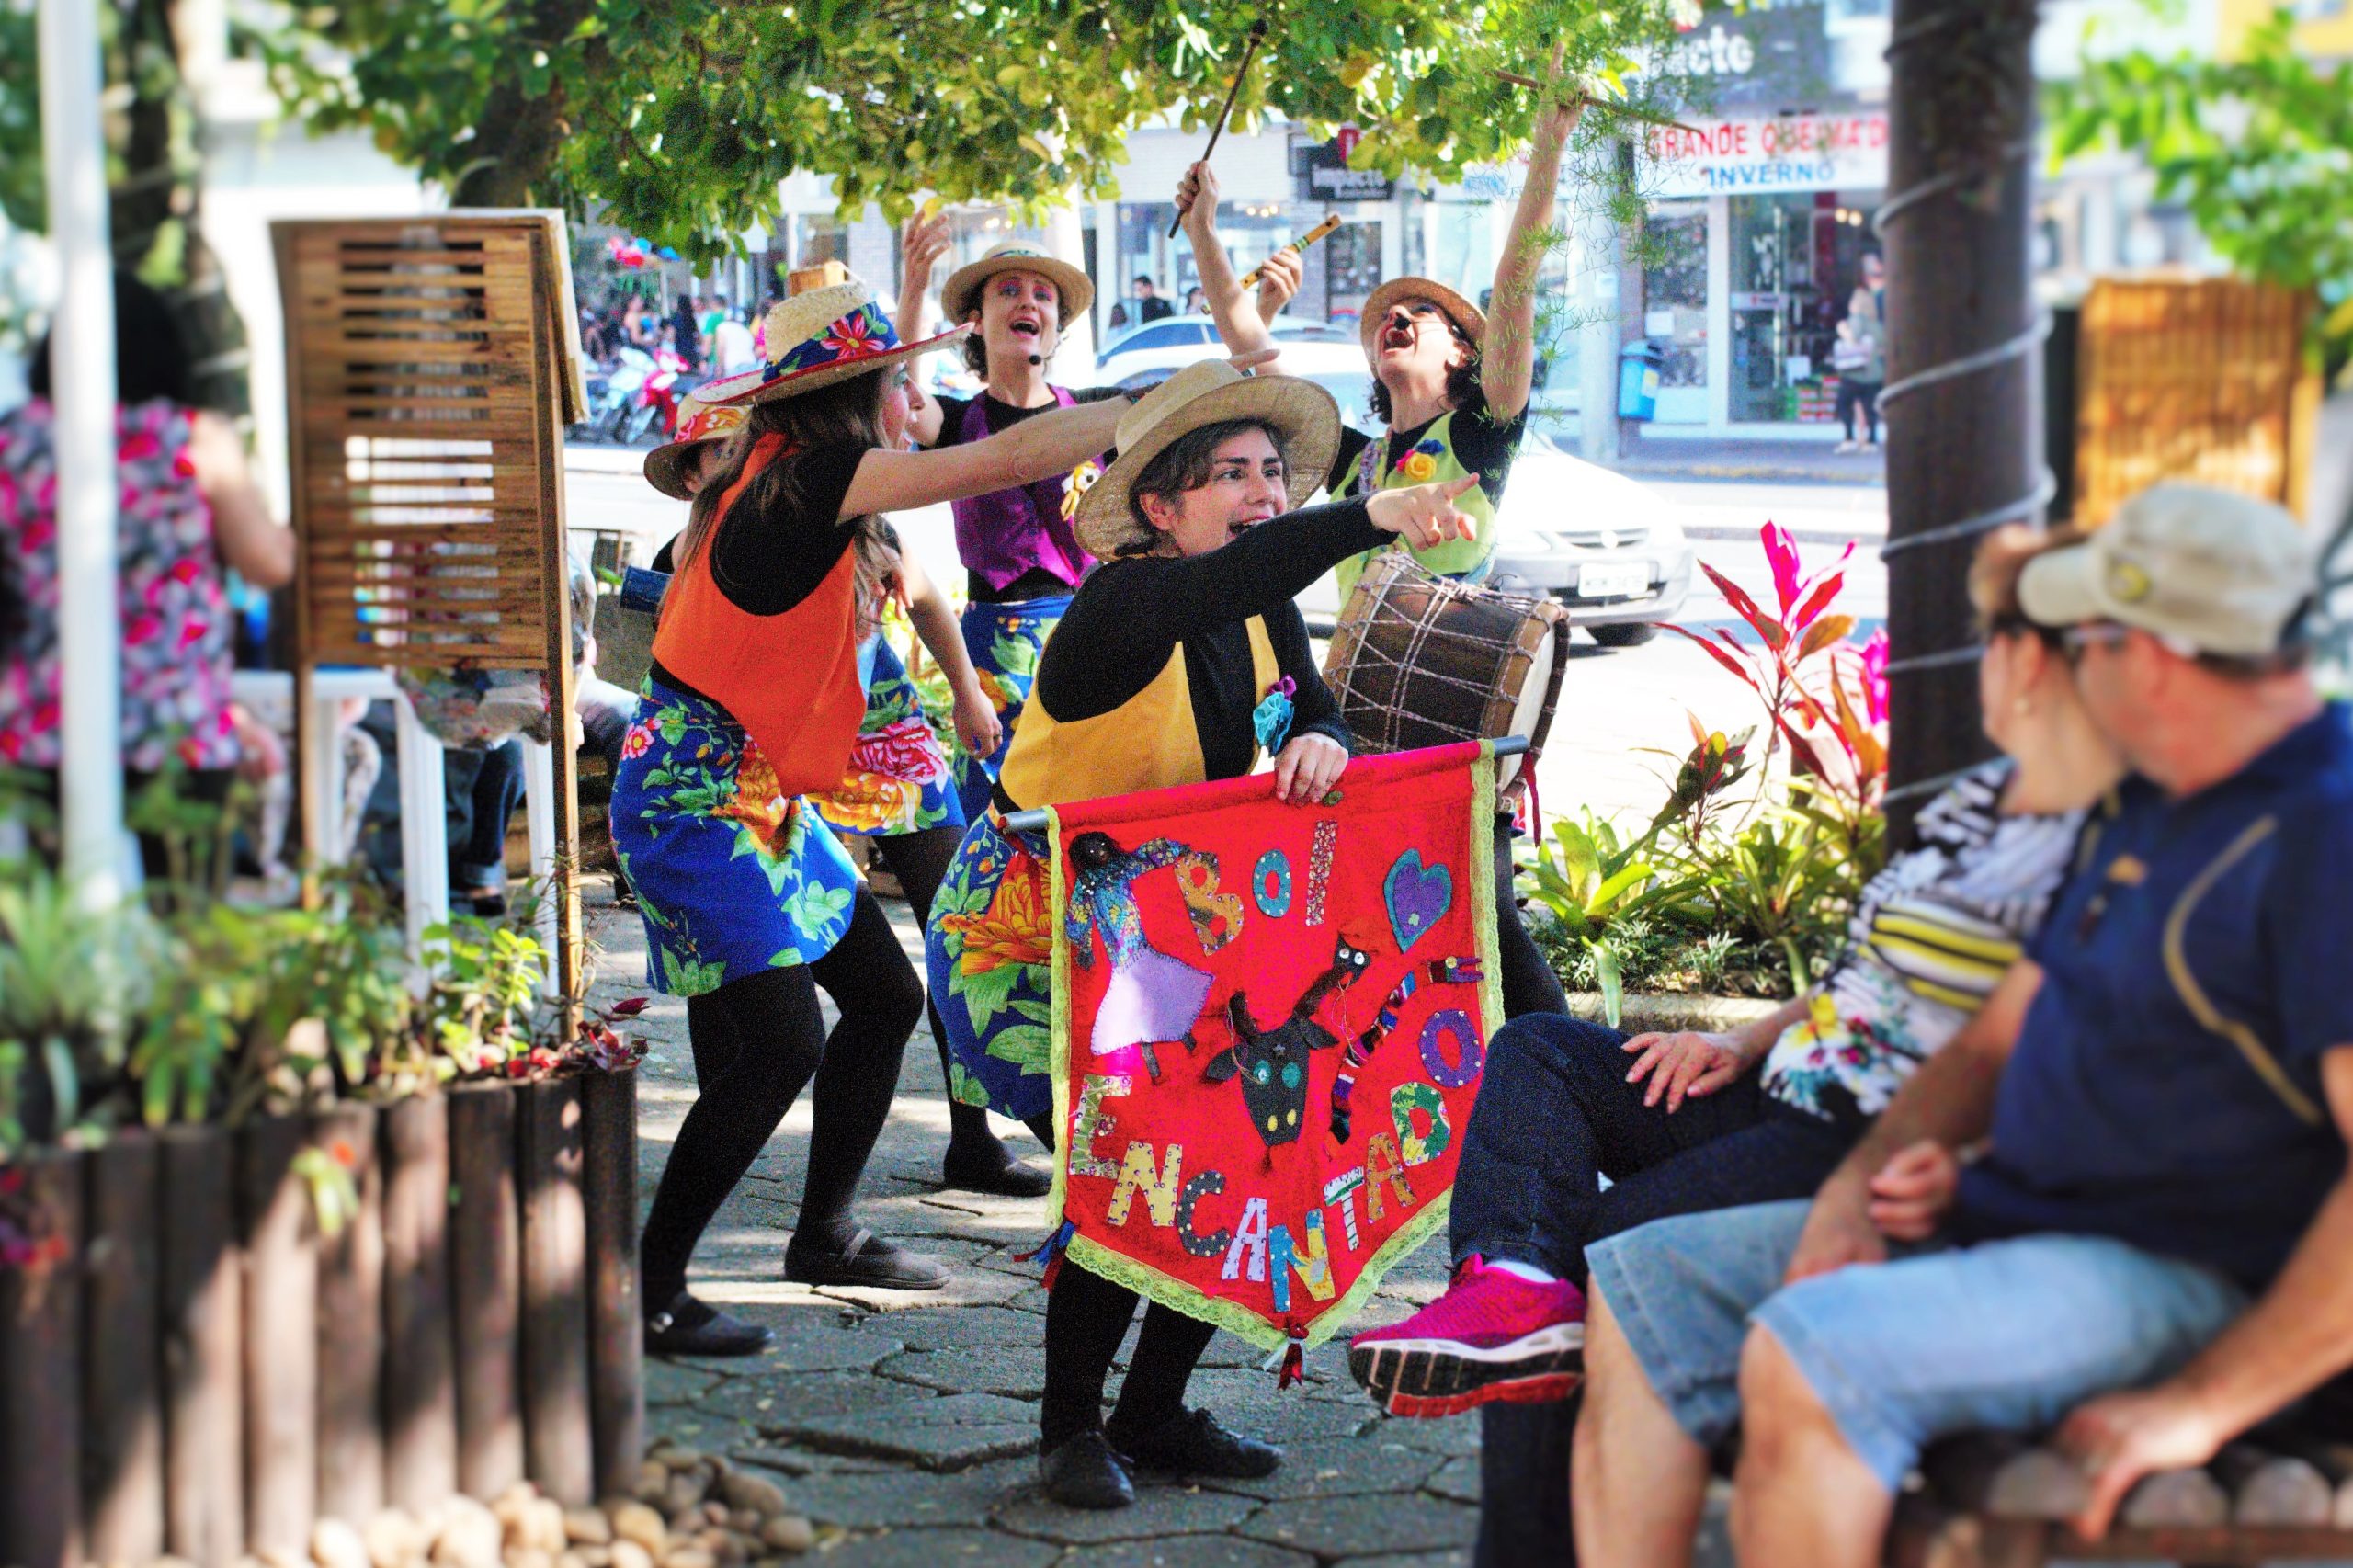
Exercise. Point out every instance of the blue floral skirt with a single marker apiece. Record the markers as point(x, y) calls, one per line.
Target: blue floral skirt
point(898, 781)
point(990, 964)
point(1004, 641)
point(732, 876)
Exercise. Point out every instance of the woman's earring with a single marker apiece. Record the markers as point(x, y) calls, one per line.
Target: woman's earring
point(2024, 707)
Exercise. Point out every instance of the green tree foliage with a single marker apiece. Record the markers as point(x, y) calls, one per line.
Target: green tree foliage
point(2260, 151)
point(676, 119)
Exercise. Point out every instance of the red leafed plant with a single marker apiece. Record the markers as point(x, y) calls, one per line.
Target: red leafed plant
point(607, 1049)
point(1825, 696)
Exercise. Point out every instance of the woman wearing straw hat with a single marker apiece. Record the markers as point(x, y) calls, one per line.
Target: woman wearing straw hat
point(1021, 558)
point(753, 701)
point(1182, 657)
point(898, 790)
point(1450, 381)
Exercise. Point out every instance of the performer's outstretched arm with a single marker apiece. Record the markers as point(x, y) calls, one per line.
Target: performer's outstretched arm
point(1507, 358)
point(1243, 329)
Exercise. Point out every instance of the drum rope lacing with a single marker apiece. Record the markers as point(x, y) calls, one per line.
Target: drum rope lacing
point(1363, 654)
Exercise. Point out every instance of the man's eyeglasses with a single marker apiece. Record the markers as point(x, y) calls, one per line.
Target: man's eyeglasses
point(2075, 640)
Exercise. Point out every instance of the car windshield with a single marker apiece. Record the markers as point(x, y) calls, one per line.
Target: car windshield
point(1353, 392)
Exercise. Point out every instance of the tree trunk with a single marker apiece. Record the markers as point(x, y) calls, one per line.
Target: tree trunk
point(155, 206)
point(1963, 398)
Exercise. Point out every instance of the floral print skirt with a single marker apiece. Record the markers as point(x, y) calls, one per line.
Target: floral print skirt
point(732, 876)
point(898, 780)
point(990, 965)
point(1004, 641)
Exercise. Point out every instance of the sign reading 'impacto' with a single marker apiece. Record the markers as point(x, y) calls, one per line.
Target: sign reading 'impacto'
point(1785, 152)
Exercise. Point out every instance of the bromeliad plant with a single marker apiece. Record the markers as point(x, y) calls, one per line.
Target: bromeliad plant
point(1777, 872)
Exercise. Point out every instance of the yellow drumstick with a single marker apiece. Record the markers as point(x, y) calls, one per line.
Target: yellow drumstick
point(1300, 243)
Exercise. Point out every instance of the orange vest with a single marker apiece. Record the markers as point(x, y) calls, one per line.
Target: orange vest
point(790, 679)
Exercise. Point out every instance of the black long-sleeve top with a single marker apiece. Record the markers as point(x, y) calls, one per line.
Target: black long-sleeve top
point(1131, 614)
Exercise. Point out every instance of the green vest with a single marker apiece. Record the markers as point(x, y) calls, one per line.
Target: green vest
point(1431, 459)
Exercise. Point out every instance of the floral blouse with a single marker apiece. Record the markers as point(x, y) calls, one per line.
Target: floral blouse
point(177, 629)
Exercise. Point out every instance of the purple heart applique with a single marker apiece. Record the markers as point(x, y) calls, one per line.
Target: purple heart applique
point(1418, 897)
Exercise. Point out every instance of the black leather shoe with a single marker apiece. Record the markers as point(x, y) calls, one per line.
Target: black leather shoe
point(1083, 1473)
point(867, 1260)
point(1194, 1443)
point(994, 1170)
point(688, 1328)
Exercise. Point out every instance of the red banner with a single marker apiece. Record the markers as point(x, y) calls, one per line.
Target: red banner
point(1269, 1023)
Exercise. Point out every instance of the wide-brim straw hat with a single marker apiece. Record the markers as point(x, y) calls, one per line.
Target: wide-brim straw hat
point(1461, 311)
point(1305, 420)
point(820, 338)
point(960, 296)
point(699, 422)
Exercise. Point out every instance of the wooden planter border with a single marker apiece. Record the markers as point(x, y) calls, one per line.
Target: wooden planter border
point(191, 1367)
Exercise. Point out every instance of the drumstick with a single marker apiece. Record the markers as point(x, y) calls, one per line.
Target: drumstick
point(1516, 80)
point(1257, 36)
point(1300, 243)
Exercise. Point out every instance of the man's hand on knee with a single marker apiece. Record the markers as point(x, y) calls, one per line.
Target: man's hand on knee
point(2120, 1438)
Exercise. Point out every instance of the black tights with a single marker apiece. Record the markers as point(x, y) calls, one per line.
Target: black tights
point(920, 861)
point(1529, 985)
point(756, 1042)
point(1086, 1317)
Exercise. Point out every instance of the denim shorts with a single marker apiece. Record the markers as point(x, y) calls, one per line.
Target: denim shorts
point(2005, 1335)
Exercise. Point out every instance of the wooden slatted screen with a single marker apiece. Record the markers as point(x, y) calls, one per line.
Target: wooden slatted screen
point(2209, 379)
point(432, 364)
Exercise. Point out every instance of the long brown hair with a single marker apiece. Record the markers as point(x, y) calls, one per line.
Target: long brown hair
point(846, 413)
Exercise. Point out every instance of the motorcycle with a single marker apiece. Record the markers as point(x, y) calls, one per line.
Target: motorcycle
point(660, 397)
point(621, 403)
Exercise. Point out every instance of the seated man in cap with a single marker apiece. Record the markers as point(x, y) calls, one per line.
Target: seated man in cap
point(2149, 1252)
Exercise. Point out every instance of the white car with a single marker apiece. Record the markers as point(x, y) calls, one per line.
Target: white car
point(1598, 541)
point(1150, 353)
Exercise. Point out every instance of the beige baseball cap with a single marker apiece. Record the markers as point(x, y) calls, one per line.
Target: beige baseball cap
point(2207, 570)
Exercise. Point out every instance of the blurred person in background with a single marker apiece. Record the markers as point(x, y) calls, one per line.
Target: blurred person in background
point(189, 514)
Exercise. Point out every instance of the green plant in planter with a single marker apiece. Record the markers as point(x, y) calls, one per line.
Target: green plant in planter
point(1785, 881)
point(1593, 883)
point(485, 978)
point(72, 981)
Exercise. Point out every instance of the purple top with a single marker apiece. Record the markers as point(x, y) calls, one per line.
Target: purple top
point(1007, 532)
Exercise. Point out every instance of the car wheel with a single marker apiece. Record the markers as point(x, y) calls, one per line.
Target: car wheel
point(1624, 634)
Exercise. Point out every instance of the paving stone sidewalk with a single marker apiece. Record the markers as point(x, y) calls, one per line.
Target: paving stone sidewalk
point(906, 1423)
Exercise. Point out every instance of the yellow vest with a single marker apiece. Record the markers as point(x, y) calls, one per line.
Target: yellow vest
point(1456, 556)
point(1150, 742)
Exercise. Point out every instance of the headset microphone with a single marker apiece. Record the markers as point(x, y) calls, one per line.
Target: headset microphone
point(1037, 359)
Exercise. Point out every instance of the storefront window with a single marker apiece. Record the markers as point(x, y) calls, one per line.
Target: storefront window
point(1352, 268)
point(1674, 289)
point(1796, 262)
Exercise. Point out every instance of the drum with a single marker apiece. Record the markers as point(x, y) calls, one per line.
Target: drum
point(1421, 661)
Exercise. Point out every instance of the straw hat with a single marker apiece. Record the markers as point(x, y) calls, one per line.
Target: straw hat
point(665, 467)
point(820, 338)
point(1464, 314)
point(962, 296)
point(1304, 418)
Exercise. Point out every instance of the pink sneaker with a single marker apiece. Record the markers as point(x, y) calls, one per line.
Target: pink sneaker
point(1493, 1337)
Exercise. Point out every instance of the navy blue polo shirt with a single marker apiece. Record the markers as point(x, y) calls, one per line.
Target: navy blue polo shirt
point(2166, 1088)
